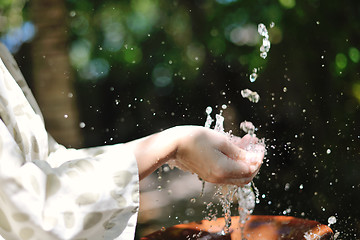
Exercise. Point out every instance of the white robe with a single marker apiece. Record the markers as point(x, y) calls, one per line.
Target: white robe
point(50, 192)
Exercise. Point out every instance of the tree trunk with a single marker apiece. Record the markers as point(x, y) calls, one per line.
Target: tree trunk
point(52, 75)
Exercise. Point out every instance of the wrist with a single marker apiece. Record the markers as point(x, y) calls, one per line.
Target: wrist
point(155, 150)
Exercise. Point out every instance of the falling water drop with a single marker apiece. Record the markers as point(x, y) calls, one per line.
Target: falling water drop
point(263, 55)
point(265, 46)
point(331, 220)
point(247, 127)
point(252, 96)
point(262, 30)
point(253, 77)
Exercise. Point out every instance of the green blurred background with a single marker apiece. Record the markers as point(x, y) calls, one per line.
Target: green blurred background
point(111, 71)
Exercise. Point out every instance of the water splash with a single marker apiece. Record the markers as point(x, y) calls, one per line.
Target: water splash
point(226, 194)
point(209, 120)
point(219, 124)
point(248, 127)
point(311, 236)
point(246, 196)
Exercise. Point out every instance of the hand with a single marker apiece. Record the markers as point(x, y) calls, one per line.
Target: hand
point(216, 157)
point(213, 156)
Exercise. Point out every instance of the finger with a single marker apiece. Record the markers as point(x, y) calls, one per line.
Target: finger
point(230, 150)
point(246, 166)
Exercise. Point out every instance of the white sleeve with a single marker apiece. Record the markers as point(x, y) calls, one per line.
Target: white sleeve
point(70, 194)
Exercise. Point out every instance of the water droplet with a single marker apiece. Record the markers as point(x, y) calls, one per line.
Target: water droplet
point(301, 186)
point(208, 110)
point(72, 14)
point(81, 124)
point(247, 127)
point(262, 30)
point(189, 212)
point(253, 77)
point(285, 89)
point(252, 96)
point(272, 24)
point(224, 106)
point(265, 46)
point(193, 200)
point(263, 55)
point(66, 116)
point(331, 220)
point(328, 151)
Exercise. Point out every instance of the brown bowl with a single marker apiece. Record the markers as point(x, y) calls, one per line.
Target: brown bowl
point(256, 228)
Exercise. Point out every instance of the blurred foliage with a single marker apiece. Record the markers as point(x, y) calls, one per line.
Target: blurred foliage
point(145, 65)
point(11, 14)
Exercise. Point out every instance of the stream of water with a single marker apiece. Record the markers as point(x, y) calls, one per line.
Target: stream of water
point(246, 196)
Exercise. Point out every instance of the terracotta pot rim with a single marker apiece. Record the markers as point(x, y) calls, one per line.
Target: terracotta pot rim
point(269, 227)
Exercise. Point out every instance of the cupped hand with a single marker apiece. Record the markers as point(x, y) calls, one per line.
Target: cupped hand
point(216, 157)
